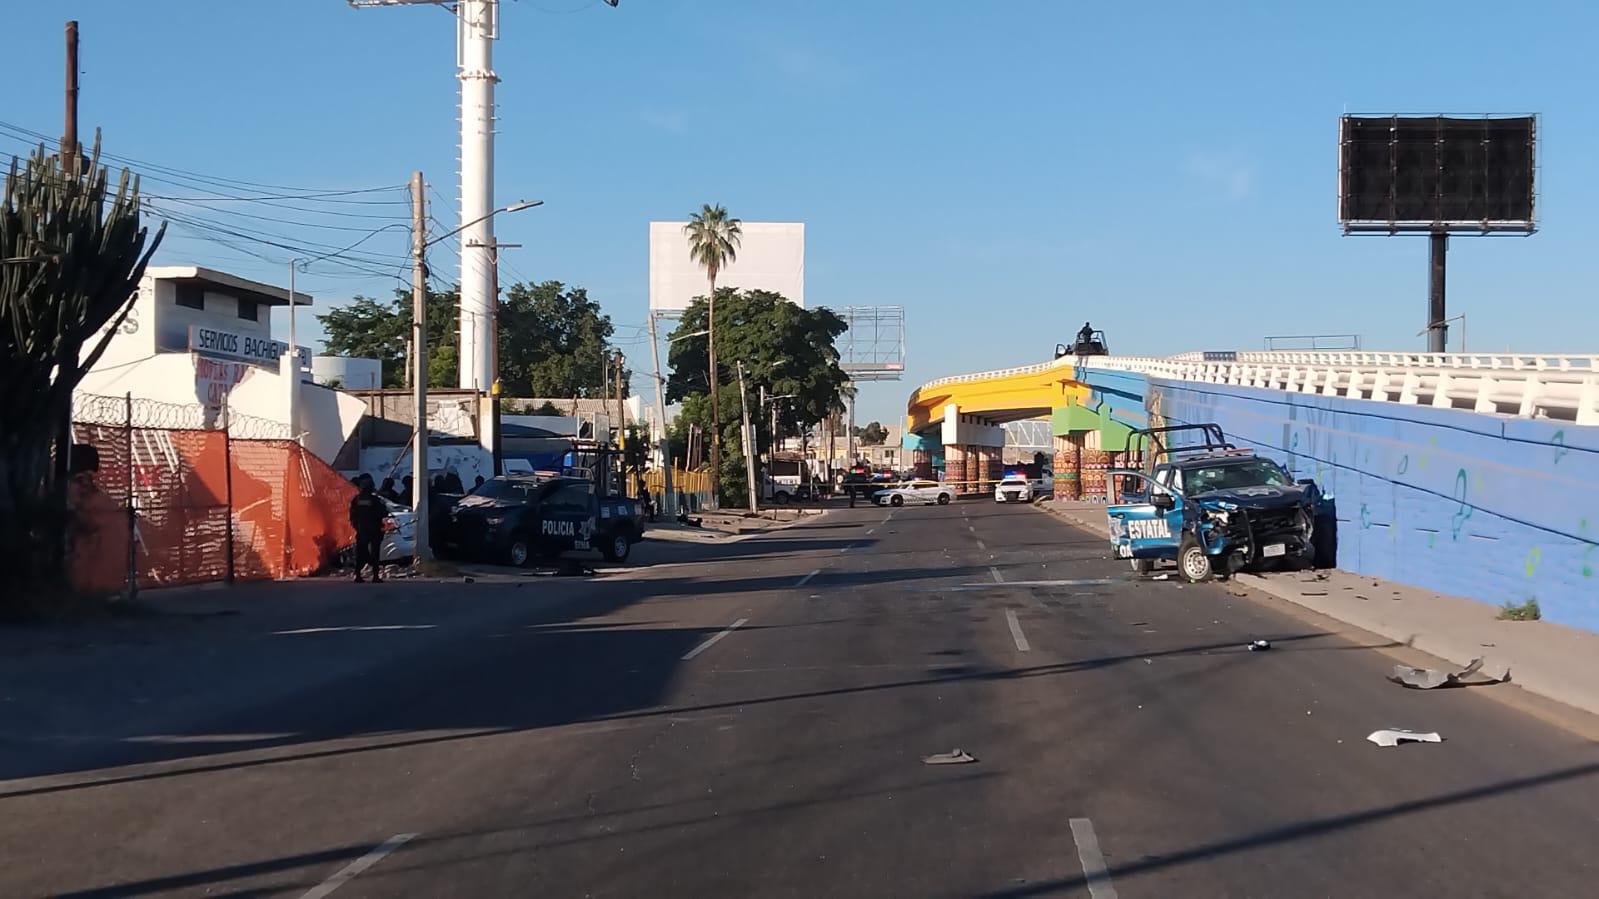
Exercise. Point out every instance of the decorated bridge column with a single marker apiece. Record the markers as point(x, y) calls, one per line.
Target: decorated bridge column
point(954, 464)
point(1069, 466)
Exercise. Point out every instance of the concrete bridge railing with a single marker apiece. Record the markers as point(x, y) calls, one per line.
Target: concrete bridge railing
point(1552, 387)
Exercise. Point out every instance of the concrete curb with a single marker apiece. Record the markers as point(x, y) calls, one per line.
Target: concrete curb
point(1546, 659)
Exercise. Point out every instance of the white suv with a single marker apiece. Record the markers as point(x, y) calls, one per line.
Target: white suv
point(1013, 489)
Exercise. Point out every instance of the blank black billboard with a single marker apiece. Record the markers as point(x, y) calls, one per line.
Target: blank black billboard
point(1428, 173)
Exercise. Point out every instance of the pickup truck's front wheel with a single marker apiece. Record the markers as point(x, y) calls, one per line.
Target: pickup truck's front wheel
point(617, 547)
point(518, 552)
point(1192, 561)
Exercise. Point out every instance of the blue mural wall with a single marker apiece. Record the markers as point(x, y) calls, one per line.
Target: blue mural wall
point(1496, 509)
point(1120, 393)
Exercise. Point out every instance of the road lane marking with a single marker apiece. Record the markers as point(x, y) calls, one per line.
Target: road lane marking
point(348, 872)
point(871, 531)
point(807, 578)
point(981, 545)
point(998, 578)
point(714, 638)
point(1016, 631)
point(1099, 885)
point(352, 628)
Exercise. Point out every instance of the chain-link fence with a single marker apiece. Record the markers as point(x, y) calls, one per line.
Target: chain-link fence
point(168, 494)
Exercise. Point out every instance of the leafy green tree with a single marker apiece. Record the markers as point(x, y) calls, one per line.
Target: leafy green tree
point(873, 434)
point(713, 241)
point(371, 330)
point(784, 348)
point(72, 252)
point(554, 341)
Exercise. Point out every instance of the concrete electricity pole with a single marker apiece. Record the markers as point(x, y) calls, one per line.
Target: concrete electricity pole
point(69, 132)
point(423, 552)
point(749, 456)
point(669, 501)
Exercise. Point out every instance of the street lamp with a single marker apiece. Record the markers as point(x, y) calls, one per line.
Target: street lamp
point(423, 552)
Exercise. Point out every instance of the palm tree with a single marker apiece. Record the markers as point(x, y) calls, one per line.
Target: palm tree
point(713, 239)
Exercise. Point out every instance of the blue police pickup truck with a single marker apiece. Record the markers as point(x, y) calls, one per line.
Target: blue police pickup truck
point(1214, 508)
point(519, 518)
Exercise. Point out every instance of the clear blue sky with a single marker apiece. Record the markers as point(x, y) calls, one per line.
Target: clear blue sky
point(1002, 170)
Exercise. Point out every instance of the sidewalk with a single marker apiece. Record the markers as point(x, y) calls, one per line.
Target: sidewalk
point(1551, 660)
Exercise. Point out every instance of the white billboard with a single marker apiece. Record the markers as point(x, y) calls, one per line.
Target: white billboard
point(771, 256)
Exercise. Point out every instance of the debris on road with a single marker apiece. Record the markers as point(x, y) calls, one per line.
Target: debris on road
point(1161, 577)
point(1313, 593)
point(468, 579)
point(1395, 735)
point(1259, 645)
point(1432, 678)
point(956, 756)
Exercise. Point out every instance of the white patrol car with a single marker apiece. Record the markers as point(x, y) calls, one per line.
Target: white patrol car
point(915, 492)
point(1013, 489)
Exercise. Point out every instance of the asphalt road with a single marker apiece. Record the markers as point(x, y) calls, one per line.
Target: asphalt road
point(754, 722)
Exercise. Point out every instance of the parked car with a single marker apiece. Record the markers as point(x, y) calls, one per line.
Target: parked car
point(516, 518)
point(1014, 489)
point(399, 533)
point(915, 492)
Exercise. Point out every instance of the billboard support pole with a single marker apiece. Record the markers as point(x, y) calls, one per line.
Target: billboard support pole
point(1437, 327)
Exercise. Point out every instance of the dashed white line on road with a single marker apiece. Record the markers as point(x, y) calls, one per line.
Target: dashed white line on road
point(998, 578)
point(871, 531)
point(1016, 631)
point(981, 545)
point(1099, 885)
point(353, 627)
point(348, 872)
point(807, 578)
point(714, 638)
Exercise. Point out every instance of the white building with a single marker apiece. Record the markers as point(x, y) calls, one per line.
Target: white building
point(197, 337)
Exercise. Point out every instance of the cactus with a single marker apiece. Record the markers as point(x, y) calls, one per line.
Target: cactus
point(71, 257)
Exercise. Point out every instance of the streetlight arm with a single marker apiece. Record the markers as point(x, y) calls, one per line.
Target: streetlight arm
point(514, 207)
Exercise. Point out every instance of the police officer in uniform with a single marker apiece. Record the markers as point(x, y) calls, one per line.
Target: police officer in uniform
point(366, 516)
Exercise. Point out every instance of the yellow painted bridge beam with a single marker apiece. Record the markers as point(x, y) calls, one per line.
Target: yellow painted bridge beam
point(1008, 395)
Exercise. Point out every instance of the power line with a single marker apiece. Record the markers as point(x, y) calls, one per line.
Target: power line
point(46, 139)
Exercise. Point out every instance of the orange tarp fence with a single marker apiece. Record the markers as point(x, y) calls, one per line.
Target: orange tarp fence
point(195, 492)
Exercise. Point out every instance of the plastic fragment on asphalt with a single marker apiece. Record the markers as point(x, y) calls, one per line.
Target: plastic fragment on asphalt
point(1161, 577)
point(1259, 645)
point(1432, 678)
point(1395, 735)
point(956, 756)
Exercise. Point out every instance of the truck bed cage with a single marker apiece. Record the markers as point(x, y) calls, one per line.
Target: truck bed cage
point(1153, 440)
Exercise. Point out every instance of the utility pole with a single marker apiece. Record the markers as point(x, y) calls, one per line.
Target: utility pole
point(621, 419)
point(749, 455)
point(849, 430)
point(716, 412)
point(423, 552)
point(669, 501)
point(69, 132)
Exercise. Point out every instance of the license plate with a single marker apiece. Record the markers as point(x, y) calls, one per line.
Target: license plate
point(584, 544)
point(1273, 549)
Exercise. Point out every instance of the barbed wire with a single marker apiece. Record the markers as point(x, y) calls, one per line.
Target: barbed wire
point(147, 414)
